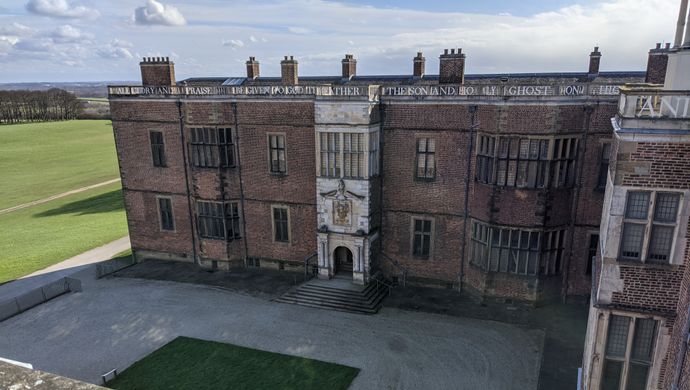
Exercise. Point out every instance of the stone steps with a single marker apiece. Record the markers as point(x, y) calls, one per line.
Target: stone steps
point(337, 296)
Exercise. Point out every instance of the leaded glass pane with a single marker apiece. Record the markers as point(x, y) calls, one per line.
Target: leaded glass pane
point(637, 205)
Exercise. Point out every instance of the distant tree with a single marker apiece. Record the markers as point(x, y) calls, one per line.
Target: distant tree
point(55, 104)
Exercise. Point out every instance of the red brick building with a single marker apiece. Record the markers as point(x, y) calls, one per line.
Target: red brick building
point(637, 334)
point(489, 183)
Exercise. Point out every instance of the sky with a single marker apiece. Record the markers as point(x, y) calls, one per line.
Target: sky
point(104, 40)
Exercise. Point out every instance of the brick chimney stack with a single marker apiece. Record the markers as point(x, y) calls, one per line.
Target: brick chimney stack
point(452, 67)
point(594, 61)
point(157, 71)
point(418, 64)
point(252, 68)
point(349, 66)
point(288, 71)
point(656, 64)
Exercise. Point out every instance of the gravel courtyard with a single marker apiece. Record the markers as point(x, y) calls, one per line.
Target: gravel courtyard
point(117, 321)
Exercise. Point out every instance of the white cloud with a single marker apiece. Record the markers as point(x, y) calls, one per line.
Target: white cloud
point(299, 30)
point(121, 43)
point(111, 51)
point(156, 13)
point(16, 30)
point(34, 45)
point(60, 9)
point(234, 43)
point(252, 38)
point(67, 33)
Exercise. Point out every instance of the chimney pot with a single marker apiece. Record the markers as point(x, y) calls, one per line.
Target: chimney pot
point(445, 51)
point(658, 45)
point(286, 58)
point(668, 45)
point(452, 51)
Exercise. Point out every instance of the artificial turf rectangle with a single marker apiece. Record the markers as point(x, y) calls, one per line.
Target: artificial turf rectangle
point(187, 363)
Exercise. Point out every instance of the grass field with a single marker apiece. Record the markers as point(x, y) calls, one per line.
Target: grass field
point(38, 160)
point(187, 363)
point(42, 235)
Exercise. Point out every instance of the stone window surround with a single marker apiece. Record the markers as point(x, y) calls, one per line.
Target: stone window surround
point(268, 143)
point(273, 224)
point(613, 225)
point(370, 132)
point(160, 217)
point(599, 352)
point(432, 236)
point(426, 153)
point(550, 159)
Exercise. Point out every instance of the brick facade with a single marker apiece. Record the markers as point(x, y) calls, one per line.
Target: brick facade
point(452, 200)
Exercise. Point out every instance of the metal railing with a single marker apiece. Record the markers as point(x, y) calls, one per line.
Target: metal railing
point(396, 265)
point(307, 264)
point(381, 284)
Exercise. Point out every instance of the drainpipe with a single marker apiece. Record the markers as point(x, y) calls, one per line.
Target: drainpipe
point(239, 172)
point(468, 174)
point(186, 180)
point(582, 151)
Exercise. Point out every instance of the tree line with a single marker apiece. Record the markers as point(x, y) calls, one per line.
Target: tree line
point(38, 106)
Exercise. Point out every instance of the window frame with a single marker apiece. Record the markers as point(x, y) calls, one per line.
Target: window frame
point(233, 220)
point(627, 359)
point(217, 153)
point(161, 226)
point(648, 224)
point(549, 163)
point(546, 248)
point(158, 156)
point(591, 255)
point(426, 153)
point(278, 152)
point(431, 235)
point(604, 162)
point(274, 224)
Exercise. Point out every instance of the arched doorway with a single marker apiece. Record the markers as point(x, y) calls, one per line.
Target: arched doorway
point(343, 261)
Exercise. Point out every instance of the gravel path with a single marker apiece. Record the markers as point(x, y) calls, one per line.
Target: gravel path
point(117, 321)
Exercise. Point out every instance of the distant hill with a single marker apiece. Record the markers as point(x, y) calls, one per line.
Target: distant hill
point(95, 89)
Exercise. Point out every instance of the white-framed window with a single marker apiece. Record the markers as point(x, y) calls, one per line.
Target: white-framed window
point(628, 353)
point(526, 162)
point(649, 226)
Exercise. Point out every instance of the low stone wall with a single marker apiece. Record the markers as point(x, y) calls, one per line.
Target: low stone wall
point(35, 297)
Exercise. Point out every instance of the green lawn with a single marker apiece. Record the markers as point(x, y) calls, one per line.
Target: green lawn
point(187, 363)
point(42, 235)
point(38, 160)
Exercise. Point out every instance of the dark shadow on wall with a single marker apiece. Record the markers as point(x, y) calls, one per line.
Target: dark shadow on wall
point(103, 203)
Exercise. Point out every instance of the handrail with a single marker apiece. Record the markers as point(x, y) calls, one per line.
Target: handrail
point(306, 263)
point(401, 269)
